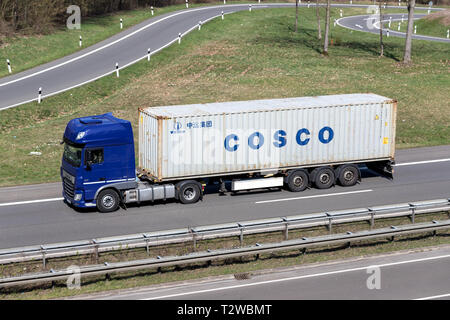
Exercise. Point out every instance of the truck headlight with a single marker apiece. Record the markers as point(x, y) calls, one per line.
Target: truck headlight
point(78, 196)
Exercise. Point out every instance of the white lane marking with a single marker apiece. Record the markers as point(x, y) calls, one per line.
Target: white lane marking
point(434, 297)
point(29, 201)
point(299, 277)
point(315, 196)
point(421, 162)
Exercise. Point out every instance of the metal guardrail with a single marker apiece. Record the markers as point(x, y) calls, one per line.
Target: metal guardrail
point(194, 234)
point(210, 255)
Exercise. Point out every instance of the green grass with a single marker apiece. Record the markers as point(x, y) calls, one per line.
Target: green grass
point(248, 56)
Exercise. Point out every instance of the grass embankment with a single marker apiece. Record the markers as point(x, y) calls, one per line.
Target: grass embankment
point(435, 24)
point(250, 55)
point(245, 265)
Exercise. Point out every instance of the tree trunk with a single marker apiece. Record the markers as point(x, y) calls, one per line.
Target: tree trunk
point(327, 29)
point(296, 15)
point(381, 32)
point(319, 35)
point(409, 31)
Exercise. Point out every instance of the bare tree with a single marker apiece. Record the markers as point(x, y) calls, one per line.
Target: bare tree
point(327, 29)
point(319, 35)
point(409, 31)
point(381, 31)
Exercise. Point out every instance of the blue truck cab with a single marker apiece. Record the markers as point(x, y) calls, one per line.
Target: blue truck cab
point(98, 155)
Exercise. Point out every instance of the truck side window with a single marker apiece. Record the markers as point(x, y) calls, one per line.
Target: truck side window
point(95, 156)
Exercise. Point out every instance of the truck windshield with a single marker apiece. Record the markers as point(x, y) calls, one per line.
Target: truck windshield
point(72, 155)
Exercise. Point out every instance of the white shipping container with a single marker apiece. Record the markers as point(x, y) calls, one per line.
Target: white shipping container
point(177, 142)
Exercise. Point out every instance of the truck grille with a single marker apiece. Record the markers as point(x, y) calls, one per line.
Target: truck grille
point(68, 187)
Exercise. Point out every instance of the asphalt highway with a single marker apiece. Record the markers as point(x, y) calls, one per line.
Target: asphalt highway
point(421, 275)
point(31, 215)
point(124, 48)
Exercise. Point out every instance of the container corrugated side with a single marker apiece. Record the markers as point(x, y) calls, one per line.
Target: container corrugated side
point(190, 146)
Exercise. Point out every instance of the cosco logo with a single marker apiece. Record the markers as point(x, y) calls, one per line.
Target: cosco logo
point(256, 139)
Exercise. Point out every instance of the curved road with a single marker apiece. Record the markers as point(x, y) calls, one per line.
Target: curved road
point(421, 174)
point(124, 48)
point(368, 23)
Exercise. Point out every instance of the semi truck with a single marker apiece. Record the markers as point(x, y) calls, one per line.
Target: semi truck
point(293, 143)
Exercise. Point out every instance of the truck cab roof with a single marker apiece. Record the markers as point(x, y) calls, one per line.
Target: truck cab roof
point(99, 130)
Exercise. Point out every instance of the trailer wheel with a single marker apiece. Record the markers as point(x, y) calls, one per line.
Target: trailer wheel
point(323, 177)
point(297, 180)
point(189, 193)
point(108, 200)
point(348, 175)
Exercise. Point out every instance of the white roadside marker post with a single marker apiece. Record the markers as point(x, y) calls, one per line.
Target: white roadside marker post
point(415, 29)
point(340, 12)
point(398, 28)
point(390, 21)
point(187, 4)
point(81, 41)
point(224, 1)
point(403, 17)
point(148, 54)
point(335, 22)
point(117, 69)
point(10, 71)
point(448, 33)
point(121, 23)
point(39, 95)
point(351, 2)
point(399, 2)
point(250, 7)
point(199, 25)
point(179, 38)
point(387, 32)
point(153, 11)
point(222, 15)
point(308, 3)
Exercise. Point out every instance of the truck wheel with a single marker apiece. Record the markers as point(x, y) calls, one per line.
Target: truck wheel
point(297, 180)
point(189, 193)
point(348, 175)
point(324, 177)
point(108, 200)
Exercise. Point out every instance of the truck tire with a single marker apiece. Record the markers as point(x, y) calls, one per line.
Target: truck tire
point(297, 180)
point(348, 175)
point(323, 177)
point(108, 200)
point(189, 192)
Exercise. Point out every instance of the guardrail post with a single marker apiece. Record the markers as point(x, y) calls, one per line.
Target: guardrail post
point(194, 238)
point(241, 235)
point(413, 213)
point(372, 219)
point(330, 224)
point(94, 242)
point(146, 245)
point(44, 260)
point(286, 230)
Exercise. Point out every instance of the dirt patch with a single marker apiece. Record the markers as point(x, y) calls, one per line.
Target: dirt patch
point(443, 17)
